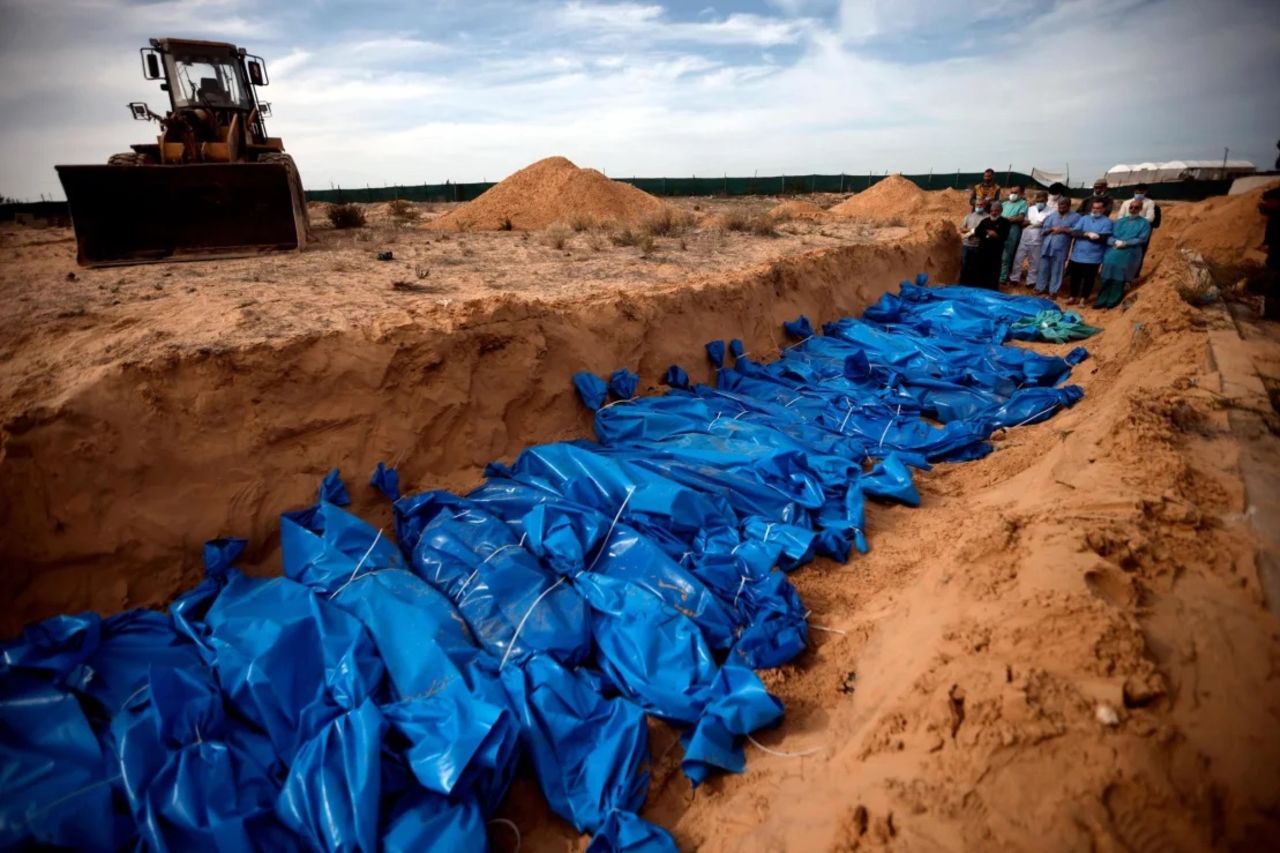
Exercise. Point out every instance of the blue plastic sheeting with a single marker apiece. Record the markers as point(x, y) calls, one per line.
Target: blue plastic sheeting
point(333, 490)
point(798, 328)
point(977, 314)
point(626, 833)
point(387, 481)
point(384, 691)
point(592, 390)
point(623, 384)
point(715, 352)
point(676, 377)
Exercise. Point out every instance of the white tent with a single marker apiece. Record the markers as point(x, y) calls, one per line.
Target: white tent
point(1122, 175)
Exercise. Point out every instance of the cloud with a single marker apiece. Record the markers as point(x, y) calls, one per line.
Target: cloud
point(639, 88)
point(398, 49)
point(650, 22)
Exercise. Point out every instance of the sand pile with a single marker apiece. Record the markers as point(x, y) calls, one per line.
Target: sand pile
point(798, 210)
point(895, 196)
point(950, 202)
point(550, 191)
point(1226, 230)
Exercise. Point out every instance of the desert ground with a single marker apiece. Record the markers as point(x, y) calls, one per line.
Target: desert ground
point(1072, 644)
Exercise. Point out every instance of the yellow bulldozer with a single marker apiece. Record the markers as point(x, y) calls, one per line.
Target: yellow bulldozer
point(213, 184)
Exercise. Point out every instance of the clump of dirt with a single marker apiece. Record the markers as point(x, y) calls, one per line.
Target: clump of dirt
point(897, 197)
point(550, 191)
point(798, 210)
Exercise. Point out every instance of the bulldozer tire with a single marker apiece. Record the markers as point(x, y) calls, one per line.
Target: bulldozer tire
point(300, 208)
point(128, 158)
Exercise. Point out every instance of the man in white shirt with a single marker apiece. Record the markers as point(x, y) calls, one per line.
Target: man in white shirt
point(1148, 206)
point(1029, 243)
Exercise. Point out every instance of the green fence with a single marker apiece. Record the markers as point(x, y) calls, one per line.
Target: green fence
point(723, 186)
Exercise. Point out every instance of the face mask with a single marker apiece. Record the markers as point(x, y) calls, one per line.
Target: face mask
point(1139, 196)
point(1013, 196)
point(979, 209)
point(1039, 205)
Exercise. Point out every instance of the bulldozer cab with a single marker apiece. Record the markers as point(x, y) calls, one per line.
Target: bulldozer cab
point(206, 76)
point(212, 184)
point(212, 97)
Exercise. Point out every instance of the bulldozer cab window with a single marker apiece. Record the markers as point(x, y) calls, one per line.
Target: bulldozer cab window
point(209, 81)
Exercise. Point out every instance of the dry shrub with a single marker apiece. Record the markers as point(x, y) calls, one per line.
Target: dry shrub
point(735, 219)
point(346, 216)
point(759, 224)
point(641, 239)
point(557, 236)
point(506, 224)
point(666, 223)
point(595, 241)
point(583, 222)
point(762, 226)
point(624, 237)
point(401, 209)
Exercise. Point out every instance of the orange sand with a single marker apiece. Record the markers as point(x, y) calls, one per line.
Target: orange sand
point(551, 191)
point(795, 209)
point(896, 197)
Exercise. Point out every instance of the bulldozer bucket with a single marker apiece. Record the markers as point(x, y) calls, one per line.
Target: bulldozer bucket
point(144, 214)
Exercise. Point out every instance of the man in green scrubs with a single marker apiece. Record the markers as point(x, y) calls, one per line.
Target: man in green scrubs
point(1014, 210)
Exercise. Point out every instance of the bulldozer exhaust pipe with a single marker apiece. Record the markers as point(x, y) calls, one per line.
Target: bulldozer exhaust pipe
point(145, 214)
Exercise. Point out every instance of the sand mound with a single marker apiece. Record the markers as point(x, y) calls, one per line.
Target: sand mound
point(895, 196)
point(550, 191)
point(798, 210)
point(1225, 230)
point(949, 201)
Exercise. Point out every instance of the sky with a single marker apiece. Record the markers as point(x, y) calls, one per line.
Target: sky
point(408, 91)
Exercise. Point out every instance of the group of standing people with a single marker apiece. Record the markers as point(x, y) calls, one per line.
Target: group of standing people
point(1001, 236)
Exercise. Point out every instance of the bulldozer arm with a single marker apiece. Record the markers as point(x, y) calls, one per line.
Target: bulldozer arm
point(144, 214)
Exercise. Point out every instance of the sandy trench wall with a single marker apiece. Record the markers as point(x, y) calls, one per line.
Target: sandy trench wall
point(110, 497)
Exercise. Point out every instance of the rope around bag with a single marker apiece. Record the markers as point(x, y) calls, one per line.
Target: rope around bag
point(631, 490)
point(603, 544)
point(462, 591)
point(356, 570)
